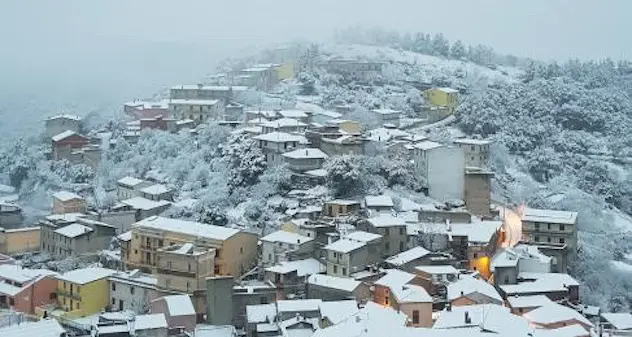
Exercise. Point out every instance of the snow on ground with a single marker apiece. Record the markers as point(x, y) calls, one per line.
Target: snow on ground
point(621, 266)
point(621, 219)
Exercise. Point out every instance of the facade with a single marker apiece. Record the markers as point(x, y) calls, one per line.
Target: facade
point(198, 110)
point(435, 278)
point(19, 240)
point(142, 109)
point(340, 207)
point(58, 124)
point(158, 123)
point(409, 259)
point(178, 310)
point(442, 97)
point(84, 292)
point(442, 213)
point(378, 204)
point(184, 267)
point(23, 290)
point(345, 257)
point(282, 245)
point(354, 70)
point(400, 290)
point(550, 227)
point(477, 191)
point(157, 192)
point(205, 92)
point(10, 215)
point(342, 145)
point(332, 288)
point(307, 159)
point(64, 239)
point(65, 143)
point(387, 116)
point(143, 208)
point(476, 151)
point(287, 125)
point(132, 291)
point(393, 232)
point(68, 202)
point(275, 144)
point(555, 286)
point(443, 168)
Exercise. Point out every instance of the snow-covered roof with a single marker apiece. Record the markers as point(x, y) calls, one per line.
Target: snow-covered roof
point(505, 258)
point(362, 236)
point(333, 282)
point(481, 232)
point(316, 173)
point(149, 322)
point(187, 227)
point(135, 276)
point(427, 145)
point(533, 301)
point(386, 220)
point(490, 317)
point(63, 135)
point(179, 305)
point(328, 113)
point(469, 285)
point(286, 237)
point(193, 101)
point(18, 274)
point(66, 196)
point(156, 189)
point(259, 313)
point(573, 330)
point(343, 202)
point(9, 289)
point(540, 283)
point(553, 313)
point(6, 189)
point(378, 201)
point(293, 113)
point(336, 311)
point(73, 230)
point(144, 204)
point(386, 111)
point(620, 321)
point(371, 321)
point(42, 328)
point(127, 236)
point(408, 256)
point(298, 305)
point(302, 267)
point(69, 217)
point(385, 134)
point(395, 278)
point(203, 330)
point(283, 122)
point(86, 275)
point(344, 246)
point(472, 141)
point(65, 116)
point(280, 137)
point(307, 153)
point(186, 203)
point(410, 293)
point(448, 90)
point(130, 181)
point(549, 216)
point(438, 270)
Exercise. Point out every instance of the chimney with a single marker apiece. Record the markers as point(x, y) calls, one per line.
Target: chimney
point(468, 320)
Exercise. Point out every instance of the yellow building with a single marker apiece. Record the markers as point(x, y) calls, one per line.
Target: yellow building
point(285, 71)
point(19, 240)
point(442, 97)
point(84, 292)
point(348, 126)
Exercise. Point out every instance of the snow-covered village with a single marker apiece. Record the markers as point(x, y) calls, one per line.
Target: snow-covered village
point(382, 184)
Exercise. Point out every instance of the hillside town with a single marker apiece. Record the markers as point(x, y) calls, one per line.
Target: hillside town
point(452, 261)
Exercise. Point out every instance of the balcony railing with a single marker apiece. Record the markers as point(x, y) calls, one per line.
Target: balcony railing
point(66, 293)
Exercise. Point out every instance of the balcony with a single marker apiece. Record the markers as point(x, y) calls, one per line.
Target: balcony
point(66, 293)
point(176, 273)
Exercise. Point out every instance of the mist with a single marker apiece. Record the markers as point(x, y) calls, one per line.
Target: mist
point(83, 56)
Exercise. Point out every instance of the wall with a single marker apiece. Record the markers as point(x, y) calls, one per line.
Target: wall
point(478, 193)
point(425, 313)
point(219, 300)
point(160, 306)
point(239, 254)
point(92, 298)
point(475, 155)
point(122, 220)
point(59, 125)
point(38, 294)
point(505, 275)
point(446, 173)
point(138, 301)
point(13, 241)
point(182, 272)
point(70, 206)
point(315, 291)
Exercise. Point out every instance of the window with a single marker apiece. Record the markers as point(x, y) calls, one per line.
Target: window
point(11, 301)
point(188, 286)
point(263, 300)
point(548, 226)
point(386, 299)
point(344, 271)
point(562, 240)
point(335, 269)
point(167, 283)
point(113, 301)
point(78, 289)
point(135, 251)
point(160, 243)
point(169, 264)
point(536, 238)
point(472, 147)
point(241, 250)
point(77, 306)
point(537, 227)
point(548, 239)
point(113, 286)
point(71, 288)
point(335, 255)
point(401, 246)
point(415, 316)
point(561, 227)
point(53, 296)
point(401, 231)
point(131, 290)
point(269, 257)
point(506, 279)
point(387, 246)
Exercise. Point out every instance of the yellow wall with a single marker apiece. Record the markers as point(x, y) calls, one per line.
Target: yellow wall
point(239, 254)
point(285, 71)
point(349, 126)
point(438, 97)
point(92, 298)
point(289, 227)
point(481, 265)
point(20, 241)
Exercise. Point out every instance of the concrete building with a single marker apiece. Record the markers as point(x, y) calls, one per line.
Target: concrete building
point(157, 192)
point(275, 144)
point(198, 110)
point(446, 98)
point(144, 109)
point(302, 160)
point(68, 202)
point(522, 304)
point(443, 168)
point(340, 207)
point(19, 240)
point(60, 123)
point(132, 291)
point(387, 116)
point(435, 278)
point(10, 215)
point(476, 151)
point(219, 300)
point(393, 232)
point(129, 187)
point(332, 288)
point(178, 311)
point(442, 213)
point(409, 259)
point(400, 290)
point(344, 257)
point(142, 207)
point(287, 125)
point(472, 291)
point(555, 286)
point(477, 191)
point(62, 239)
point(83, 292)
point(508, 263)
point(184, 267)
point(285, 246)
point(65, 143)
point(548, 227)
point(378, 204)
point(346, 144)
point(354, 70)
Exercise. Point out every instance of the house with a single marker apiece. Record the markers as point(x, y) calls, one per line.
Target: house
point(335, 312)
point(509, 262)
point(541, 226)
point(323, 116)
point(378, 204)
point(129, 187)
point(345, 257)
point(260, 76)
point(295, 114)
point(227, 300)
point(184, 268)
point(477, 191)
point(68, 202)
point(215, 331)
point(57, 124)
point(470, 291)
point(523, 304)
point(66, 142)
point(435, 278)
point(392, 229)
point(178, 311)
point(10, 214)
point(83, 292)
point(346, 126)
point(198, 110)
point(158, 123)
point(442, 213)
point(372, 320)
point(19, 240)
point(309, 308)
point(307, 159)
point(42, 328)
point(354, 70)
point(152, 325)
point(616, 322)
point(340, 207)
point(442, 97)
point(481, 320)
point(78, 238)
point(282, 245)
point(286, 125)
point(401, 291)
point(292, 275)
point(554, 316)
point(206, 92)
point(409, 259)
point(341, 145)
point(132, 291)
point(143, 207)
point(480, 240)
point(146, 109)
point(332, 288)
point(373, 244)
point(387, 116)
point(157, 192)
point(23, 289)
point(443, 168)
point(274, 144)
point(556, 286)
point(476, 151)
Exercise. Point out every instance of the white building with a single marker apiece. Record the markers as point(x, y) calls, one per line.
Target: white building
point(287, 125)
point(377, 204)
point(476, 151)
point(129, 187)
point(274, 144)
point(306, 159)
point(60, 123)
point(132, 290)
point(443, 167)
point(277, 246)
point(387, 116)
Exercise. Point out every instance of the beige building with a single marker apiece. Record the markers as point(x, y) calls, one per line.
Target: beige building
point(477, 191)
point(340, 207)
point(553, 228)
point(184, 267)
point(63, 239)
point(19, 240)
point(476, 151)
point(401, 291)
point(68, 202)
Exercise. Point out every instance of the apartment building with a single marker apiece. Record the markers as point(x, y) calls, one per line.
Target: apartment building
point(184, 267)
point(393, 232)
point(198, 110)
point(206, 92)
point(275, 144)
point(344, 257)
point(130, 187)
point(282, 245)
point(60, 123)
point(476, 151)
point(387, 116)
point(477, 191)
point(551, 228)
point(62, 239)
point(83, 292)
point(132, 290)
point(443, 168)
point(68, 202)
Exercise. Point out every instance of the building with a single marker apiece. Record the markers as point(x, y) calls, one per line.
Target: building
point(372, 241)
point(540, 226)
point(178, 311)
point(198, 110)
point(471, 291)
point(346, 126)
point(481, 320)
point(275, 144)
point(42, 328)
point(206, 92)
point(235, 250)
point(372, 320)
point(84, 292)
point(332, 288)
point(291, 276)
point(442, 213)
point(157, 192)
point(616, 322)
point(480, 240)
point(68, 202)
point(132, 291)
point(354, 70)
point(476, 151)
point(443, 168)
point(522, 304)
point(184, 268)
point(387, 116)
point(261, 76)
point(10, 214)
point(338, 146)
point(442, 97)
point(399, 290)
point(287, 125)
point(555, 286)
point(19, 240)
point(345, 257)
point(307, 159)
point(378, 204)
point(57, 124)
point(65, 143)
point(555, 316)
point(24, 290)
point(129, 187)
point(393, 232)
point(477, 191)
point(435, 278)
point(143, 208)
point(409, 259)
point(158, 123)
point(282, 245)
point(508, 263)
point(145, 109)
point(84, 236)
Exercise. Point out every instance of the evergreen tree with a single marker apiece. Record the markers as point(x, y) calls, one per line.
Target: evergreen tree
point(440, 45)
point(458, 50)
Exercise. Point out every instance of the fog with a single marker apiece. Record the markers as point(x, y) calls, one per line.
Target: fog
point(81, 56)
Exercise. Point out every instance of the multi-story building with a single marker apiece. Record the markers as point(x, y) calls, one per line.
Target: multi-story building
point(198, 110)
point(274, 144)
point(60, 123)
point(184, 267)
point(282, 245)
point(65, 143)
point(476, 151)
point(554, 228)
point(64, 239)
point(393, 232)
point(19, 240)
point(387, 116)
point(443, 168)
point(306, 159)
point(23, 289)
point(354, 70)
point(477, 191)
point(84, 292)
point(133, 291)
point(68, 202)
point(442, 97)
point(287, 125)
point(206, 92)
point(345, 257)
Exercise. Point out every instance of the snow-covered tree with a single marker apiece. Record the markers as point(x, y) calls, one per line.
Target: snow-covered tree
point(244, 159)
point(458, 50)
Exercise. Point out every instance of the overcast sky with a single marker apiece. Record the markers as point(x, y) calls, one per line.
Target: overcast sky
point(84, 55)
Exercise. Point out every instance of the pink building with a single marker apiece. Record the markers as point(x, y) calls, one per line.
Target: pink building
point(178, 310)
point(25, 289)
